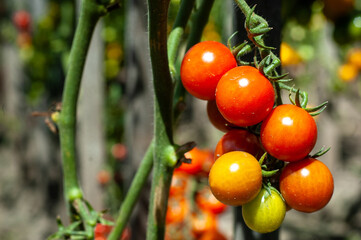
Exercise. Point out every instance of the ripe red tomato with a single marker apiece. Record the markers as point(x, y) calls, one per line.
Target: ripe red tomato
point(206, 201)
point(22, 20)
point(244, 96)
point(199, 157)
point(306, 185)
point(216, 118)
point(202, 67)
point(235, 178)
point(238, 140)
point(289, 133)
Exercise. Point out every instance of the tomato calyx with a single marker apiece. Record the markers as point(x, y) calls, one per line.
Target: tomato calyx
point(320, 153)
point(265, 172)
point(181, 150)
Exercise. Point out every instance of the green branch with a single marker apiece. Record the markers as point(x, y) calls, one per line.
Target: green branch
point(164, 152)
point(130, 199)
point(89, 16)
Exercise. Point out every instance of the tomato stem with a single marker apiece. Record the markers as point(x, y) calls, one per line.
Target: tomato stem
point(89, 16)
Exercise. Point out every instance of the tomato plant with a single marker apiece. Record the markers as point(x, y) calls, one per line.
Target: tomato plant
point(306, 185)
point(235, 178)
point(289, 133)
point(266, 212)
point(244, 96)
point(238, 140)
point(202, 67)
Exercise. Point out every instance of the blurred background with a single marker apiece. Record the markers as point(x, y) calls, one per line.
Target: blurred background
point(321, 50)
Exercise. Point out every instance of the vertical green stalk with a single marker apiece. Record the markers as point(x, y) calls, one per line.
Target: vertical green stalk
point(129, 202)
point(164, 152)
point(199, 21)
point(89, 16)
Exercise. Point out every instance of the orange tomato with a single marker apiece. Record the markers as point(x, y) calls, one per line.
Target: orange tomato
point(354, 57)
point(235, 178)
point(177, 210)
point(212, 235)
point(179, 184)
point(206, 201)
point(203, 221)
point(198, 157)
point(347, 72)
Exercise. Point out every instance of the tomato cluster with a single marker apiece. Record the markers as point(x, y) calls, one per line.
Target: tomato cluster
point(263, 161)
point(192, 209)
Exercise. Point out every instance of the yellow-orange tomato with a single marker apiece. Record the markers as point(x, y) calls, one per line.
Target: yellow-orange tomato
point(354, 57)
point(288, 55)
point(347, 72)
point(235, 178)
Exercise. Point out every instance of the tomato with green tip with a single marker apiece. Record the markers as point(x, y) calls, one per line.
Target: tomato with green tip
point(266, 212)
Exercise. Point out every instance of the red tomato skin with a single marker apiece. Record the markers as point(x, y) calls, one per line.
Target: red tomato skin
point(244, 96)
point(216, 118)
point(289, 133)
point(306, 185)
point(22, 20)
point(202, 67)
point(238, 140)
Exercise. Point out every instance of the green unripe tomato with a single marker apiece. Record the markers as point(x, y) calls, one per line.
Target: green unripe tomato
point(265, 213)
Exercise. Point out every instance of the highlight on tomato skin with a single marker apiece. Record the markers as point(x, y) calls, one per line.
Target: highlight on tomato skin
point(202, 67)
point(244, 96)
point(306, 185)
point(239, 140)
point(289, 133)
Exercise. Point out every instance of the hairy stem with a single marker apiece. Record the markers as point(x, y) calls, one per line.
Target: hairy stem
point(164, 152)
point(89, 16)
point(134, 190)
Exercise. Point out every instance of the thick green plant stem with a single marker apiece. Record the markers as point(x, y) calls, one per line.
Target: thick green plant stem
point(89, 16)
point(199, 21)
point(134, 190)
point(164, 152)
point(146, 165)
